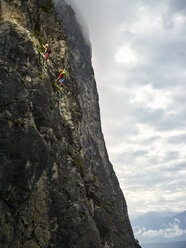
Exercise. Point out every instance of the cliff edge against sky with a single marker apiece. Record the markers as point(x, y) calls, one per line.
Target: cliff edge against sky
point(57, 186)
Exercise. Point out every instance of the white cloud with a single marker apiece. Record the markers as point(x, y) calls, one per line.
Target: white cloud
point(171, 231)
point(147, 22)
point(149, 97)
point(127, 56)
point(179, 20)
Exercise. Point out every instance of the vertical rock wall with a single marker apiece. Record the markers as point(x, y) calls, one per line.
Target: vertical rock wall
point(57, 186)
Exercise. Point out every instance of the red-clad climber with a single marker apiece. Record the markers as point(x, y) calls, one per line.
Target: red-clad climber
point(62, 76)
point(47, 52)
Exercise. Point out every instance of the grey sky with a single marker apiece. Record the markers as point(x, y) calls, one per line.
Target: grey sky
point(139, 58)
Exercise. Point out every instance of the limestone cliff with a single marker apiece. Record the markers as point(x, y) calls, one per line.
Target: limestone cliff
point(57, 186)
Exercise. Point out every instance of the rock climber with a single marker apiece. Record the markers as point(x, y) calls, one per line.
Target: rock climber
point(47, 52)
point(62, 76)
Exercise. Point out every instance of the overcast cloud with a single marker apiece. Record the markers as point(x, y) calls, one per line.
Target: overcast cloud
point(139, 58)
point(169, 232)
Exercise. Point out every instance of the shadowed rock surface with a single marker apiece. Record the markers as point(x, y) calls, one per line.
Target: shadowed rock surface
point(57, 186)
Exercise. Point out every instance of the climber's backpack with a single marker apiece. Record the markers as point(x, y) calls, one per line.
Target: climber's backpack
point(64, 75)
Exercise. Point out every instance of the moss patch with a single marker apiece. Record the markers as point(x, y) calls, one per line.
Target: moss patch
point(77, 162)
point(23, 81)
point(40, 75)
point(19, 123)
point(94, 178)
point(39, 128)
point(55, 87)
point(2, 20)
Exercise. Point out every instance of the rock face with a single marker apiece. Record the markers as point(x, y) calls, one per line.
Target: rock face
point(57, 186)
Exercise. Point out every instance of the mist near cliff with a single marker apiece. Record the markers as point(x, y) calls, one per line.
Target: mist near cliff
point(80, 18)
